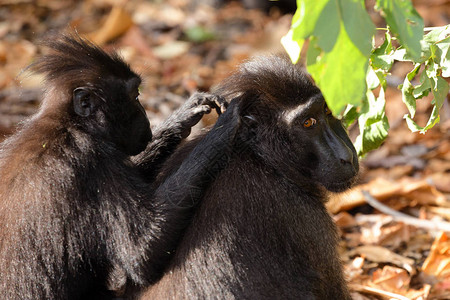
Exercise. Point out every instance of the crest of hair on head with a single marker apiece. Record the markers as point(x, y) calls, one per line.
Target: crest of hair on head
point(273, 77)
point(74, 61)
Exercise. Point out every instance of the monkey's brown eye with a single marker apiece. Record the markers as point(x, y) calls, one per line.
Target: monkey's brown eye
point(310, 122)
point(327, 111)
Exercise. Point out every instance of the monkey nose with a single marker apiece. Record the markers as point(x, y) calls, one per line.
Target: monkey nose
point(344, 154)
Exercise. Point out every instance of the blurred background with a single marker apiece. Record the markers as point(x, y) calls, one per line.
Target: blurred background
point(180, 46)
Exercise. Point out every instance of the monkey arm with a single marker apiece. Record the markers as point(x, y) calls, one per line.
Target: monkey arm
point(176, 198)
point(170, 133)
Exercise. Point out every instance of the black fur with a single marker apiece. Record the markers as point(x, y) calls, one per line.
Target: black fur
point(74, 208)
point(262, 230)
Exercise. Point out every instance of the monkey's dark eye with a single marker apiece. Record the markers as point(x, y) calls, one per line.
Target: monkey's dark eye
point(309, 122)
point(327, 111)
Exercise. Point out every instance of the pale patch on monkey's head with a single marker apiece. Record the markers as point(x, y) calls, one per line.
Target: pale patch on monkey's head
point(289, 115)
point(312, 106)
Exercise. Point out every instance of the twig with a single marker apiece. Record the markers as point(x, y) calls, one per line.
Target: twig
point(398, 216)
point(378, 292)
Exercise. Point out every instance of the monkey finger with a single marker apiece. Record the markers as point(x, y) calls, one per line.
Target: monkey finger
point(221, 104)
point(201, 110)
point(195, 115)
point(217, 102)
point(199, 98)
point(231, 116)
point(214, 101)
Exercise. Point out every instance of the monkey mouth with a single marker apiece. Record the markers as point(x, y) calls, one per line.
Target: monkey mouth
point(338, 187)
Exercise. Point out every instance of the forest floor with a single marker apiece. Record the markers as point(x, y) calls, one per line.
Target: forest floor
point(395, 240)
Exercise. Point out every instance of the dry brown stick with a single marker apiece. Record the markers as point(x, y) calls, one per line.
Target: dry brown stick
point(398, 216)
point(375, 291)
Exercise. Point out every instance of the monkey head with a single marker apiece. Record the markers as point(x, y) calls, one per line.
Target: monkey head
point(287, 123)
point(98, 91)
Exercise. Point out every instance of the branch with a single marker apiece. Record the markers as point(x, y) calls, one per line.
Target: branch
point(401, 217)
point(375, 291)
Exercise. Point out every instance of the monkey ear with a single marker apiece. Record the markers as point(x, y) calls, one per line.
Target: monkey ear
point(83, 103)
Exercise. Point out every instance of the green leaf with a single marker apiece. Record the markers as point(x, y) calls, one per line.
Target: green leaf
point(411, 124)
point(434, 119)
point(358, 24)
point(437, 34)
point(340, 73)
point(400, 54)
point(438, 86)
point(383, 62)
point(293, 48)
point(440, 92)
point(431, 70)
point(199, 34)
point(382, 78)
point(386, 47)
point(372, 79)
point(328, 26)
point(381, 57)
point(444, 45)
point(314, 57)
point(439, 37)
point(404, 21)
point(373, 123)
point(408, 89)
point(305, 18)
point(423, 89)
point(350, 115)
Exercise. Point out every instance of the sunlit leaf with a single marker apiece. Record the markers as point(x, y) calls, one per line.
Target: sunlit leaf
point(434, 119)
point(440, 92)
point(381, 57)
point(292, 47)
point(350, 115)
point(305, 18)
point(328, 26)
point(346, 66)
point(408, 90)
point(423, 89)
point(373, 124)
point(404, 21)
point(332, 75)
point(358, 24)
point(199, 34)
point(372, 79)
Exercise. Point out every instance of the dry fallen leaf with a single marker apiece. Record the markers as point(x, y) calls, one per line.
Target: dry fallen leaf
point(420, 190)
point(344, 219)
point(438, 261)
point(391, 279)
point(117, 23)
point(383, 255)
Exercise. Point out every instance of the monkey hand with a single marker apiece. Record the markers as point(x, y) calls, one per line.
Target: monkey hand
point(191, 112)
point(168, 135)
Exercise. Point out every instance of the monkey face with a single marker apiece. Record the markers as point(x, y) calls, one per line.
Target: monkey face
point(304, 143)
point(321, 144)
point(111, 109)
point(132, 127)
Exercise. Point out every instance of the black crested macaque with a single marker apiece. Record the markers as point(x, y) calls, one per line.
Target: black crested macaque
point(262, 230)
point(73, 206)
